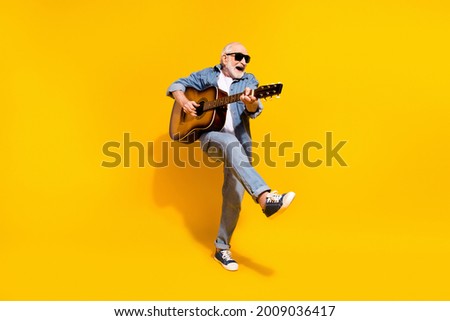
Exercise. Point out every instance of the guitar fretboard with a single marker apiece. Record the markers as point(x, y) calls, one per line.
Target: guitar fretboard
point(260, 92)
point(221, 101)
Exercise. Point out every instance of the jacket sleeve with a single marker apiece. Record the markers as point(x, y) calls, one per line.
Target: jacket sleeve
point(253, 84)
point(196, 80)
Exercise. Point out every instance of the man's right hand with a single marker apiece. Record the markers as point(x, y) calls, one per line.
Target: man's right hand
point(187, 105)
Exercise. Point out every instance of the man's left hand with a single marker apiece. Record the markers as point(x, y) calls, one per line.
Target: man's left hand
point(250, 101)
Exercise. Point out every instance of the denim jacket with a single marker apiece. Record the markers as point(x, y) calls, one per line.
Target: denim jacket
point(208, 77)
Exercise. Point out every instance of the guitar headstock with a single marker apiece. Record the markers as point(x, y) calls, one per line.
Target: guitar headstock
point(268, 90)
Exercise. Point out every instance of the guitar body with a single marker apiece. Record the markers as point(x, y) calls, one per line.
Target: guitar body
point(211, 114)
point(186, 128)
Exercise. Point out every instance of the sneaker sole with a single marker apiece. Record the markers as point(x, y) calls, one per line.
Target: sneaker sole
point(287, 200)
point(230, 267)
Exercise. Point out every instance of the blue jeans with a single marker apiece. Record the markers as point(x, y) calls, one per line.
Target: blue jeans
point(239, 176)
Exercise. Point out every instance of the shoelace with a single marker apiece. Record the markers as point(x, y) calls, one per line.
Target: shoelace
point(273, 197)
point(226, 255)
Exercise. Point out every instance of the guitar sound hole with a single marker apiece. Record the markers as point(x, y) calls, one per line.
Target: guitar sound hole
point(199, 109)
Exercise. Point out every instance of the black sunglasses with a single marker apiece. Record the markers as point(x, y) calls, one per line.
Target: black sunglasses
point(238, 56)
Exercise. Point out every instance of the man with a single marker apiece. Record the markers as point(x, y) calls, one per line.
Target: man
point(232, 143)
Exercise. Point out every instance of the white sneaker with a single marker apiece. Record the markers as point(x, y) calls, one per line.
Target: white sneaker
point(225, 259)
point(277, 203)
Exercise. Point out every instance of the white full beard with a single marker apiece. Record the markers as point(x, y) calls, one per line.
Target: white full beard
point(233, 72)
point(238, 74)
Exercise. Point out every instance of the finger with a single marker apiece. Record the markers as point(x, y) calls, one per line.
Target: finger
point(188, 109)
point(192, 110)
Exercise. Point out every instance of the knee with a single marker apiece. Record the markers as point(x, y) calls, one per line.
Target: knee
point(215, 142)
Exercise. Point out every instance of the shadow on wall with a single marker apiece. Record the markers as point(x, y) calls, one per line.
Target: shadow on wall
point(183, 181)
point(188, 181)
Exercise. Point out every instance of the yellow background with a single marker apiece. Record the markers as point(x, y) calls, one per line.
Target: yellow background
point(78, 74)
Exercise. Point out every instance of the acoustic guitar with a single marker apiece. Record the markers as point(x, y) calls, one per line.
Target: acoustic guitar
point(211, 113)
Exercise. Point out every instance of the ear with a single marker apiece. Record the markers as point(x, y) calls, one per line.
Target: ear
point(224, 59)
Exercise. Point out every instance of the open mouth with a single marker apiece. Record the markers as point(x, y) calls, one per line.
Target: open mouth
point(240, 68)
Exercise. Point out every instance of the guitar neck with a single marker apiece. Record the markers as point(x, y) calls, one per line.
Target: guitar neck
point(221, 101)
point(260, 92)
